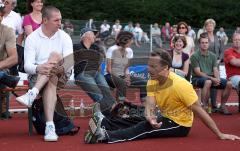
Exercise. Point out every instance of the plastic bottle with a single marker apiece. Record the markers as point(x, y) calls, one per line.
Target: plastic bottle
point(71, 109)
point(209, 107)
point(82, 109)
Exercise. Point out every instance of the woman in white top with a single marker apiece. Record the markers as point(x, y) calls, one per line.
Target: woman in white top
point(118, 60)
point(182, 28)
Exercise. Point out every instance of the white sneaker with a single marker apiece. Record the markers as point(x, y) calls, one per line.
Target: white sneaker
point(50, 134)
point(27, 99)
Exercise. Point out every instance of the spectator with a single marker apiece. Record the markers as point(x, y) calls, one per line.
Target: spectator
point(138, 33)
point(8, 58)
point(68, 27)
point(129, 27)
point(232, 61)
point(13, 19)
point(222, 35)
point(118, 61)
point(166, 32)
point(191, 33)
point(90, 24)
point(88, 58)
point(33, 20)
point(237, 30)
point(201, 30)
point(105, 27)
point(177, 109)
point(216, 47)
point(180, 60)
point(44, 49)
point(116, 28)
point(182, 28)
point(206, 74)
point(156, 35)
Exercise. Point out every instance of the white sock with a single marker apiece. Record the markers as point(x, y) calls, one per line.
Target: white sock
point(35, 91)
point(48, 123)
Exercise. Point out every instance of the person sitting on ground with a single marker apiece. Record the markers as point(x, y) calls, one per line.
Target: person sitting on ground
point(8, 58)
point(180, 60)
point(48, 58)
point(232, 61)
point(88, 58)
point(206, 75)
point(118, 60)
point(177, 109)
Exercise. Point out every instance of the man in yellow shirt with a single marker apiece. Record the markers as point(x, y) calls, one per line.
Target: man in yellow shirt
point(176, 99)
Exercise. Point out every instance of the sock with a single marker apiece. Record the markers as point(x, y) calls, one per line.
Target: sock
point(48, 123)
point(35, 91)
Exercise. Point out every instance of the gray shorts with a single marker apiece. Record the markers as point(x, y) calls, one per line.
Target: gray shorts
point(62, 80)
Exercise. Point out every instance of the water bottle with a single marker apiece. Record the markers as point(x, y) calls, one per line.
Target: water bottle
point(82, 109)
point(209, 107)
point(71, 109)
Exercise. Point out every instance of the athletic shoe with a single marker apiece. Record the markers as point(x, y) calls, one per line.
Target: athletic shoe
point(27, 99)
point(50, 134)
point(97, 111)
point(96, 133)
point(90, 138)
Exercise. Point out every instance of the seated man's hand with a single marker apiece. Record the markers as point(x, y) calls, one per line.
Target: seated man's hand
point(57, 70)
point(215, 81)
point(45, 69)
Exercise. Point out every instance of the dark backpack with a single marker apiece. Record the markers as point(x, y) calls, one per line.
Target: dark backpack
point(20, 51)
point(63, 124)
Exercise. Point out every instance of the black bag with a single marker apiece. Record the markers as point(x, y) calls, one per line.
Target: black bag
point(63, 124)
point(20, 51)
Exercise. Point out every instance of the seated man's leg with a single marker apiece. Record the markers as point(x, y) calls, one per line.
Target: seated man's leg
point(8, 80)
point(121, 86)
point(235, 81)
point(38, 82)
point(227, 87)
point(88, 84)
point(108, 100)
point(205, 84)
point(49, 103)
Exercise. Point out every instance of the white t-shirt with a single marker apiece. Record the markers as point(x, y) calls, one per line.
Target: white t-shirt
point(104, 28)
point(190, 45)
point(116, 29)
point(118, 62)
point(138, 30)
point(38, 48)
point(14, 21)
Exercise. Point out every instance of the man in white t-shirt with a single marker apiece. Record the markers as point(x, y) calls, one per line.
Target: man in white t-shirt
point(13, 19)
point(104, 27)
point(48, 58)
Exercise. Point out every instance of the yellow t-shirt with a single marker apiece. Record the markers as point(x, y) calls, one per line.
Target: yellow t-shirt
point(174, 98)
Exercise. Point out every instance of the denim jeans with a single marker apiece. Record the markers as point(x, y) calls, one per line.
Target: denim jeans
point(95, 85)
point(3, 94)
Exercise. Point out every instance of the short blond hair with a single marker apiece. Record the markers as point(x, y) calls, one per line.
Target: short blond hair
point(210, 21)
